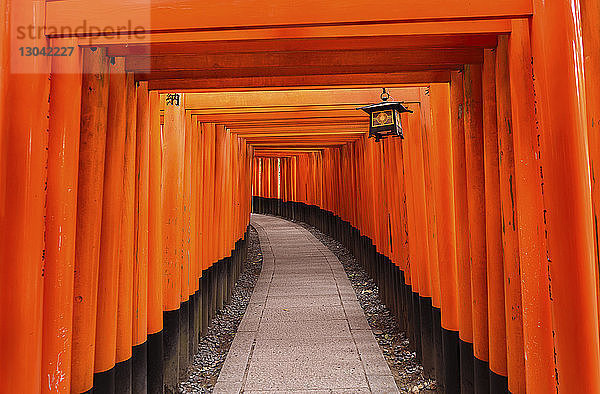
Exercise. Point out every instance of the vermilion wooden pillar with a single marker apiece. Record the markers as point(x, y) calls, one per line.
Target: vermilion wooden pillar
point(199, 163)
point(199, 190)
point(156, 291)
point(194, 231)
point(371, 229)
point(395, 195)
point(262, 176)
point(434, 273)
point(229, 212)
point(94, 106)
point(537, 321)
point(314, 194)
point(123, 366)
point(378, 200)
point(24, 144)
point(275, 178)
point(400, 190)
point(110, 234)
point(383, 205)
point(173, 144)
point(255, 177)
point(558, 67)
point(173, 137)
point(61, 208)
point(209, 196)
point(421, 236)
point(391, 190)
point(477, 221)
point(412, 272)
point(194, 164)
point(294, 178)
point(4, 74)
point(185, 248)
point(510, 241)
point(219, 193)
point(262, 179)
point(493, 229)
point(266, 177)
point(202, 201)
point(141, 235)
point(461, 223)
point(186, 203)
point(430, 184)
point(590, 24)
point(442, 169)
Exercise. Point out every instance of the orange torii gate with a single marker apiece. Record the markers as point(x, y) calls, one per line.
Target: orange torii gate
point(127, 172)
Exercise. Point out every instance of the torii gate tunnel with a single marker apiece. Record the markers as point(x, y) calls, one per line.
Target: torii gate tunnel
point(137, 137)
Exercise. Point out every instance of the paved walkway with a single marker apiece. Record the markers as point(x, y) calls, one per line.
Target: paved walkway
point(304, 329)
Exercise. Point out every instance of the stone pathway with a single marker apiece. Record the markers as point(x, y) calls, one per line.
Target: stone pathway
point(304, 330)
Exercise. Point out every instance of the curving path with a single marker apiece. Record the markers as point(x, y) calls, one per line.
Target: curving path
point(304, 329)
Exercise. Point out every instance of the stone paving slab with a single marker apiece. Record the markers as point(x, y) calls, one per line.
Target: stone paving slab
point(304, 330)
point(304, 313)
point(295, 301)
point(302, 376)
point(313, 349)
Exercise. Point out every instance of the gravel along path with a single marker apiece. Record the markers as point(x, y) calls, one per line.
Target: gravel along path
point(393, 342)
point(213, 347)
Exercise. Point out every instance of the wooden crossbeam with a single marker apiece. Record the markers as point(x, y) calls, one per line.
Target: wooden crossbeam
point(300, 62)
point(341, 81)
point(164, 16)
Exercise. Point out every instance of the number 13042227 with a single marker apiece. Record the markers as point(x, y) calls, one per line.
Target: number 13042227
point(46, 51)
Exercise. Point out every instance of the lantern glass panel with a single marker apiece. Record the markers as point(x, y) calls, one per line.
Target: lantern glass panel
point(382, 118)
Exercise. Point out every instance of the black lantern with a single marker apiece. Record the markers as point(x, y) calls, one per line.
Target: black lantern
point(385, 117)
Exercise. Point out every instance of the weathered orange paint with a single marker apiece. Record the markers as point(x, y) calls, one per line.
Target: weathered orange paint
point(229, 212)
point(557, 49)
point(465, 320)
point(590, 22)
point(127, 241)
point(4, 75)
point(24, 144)
point(194, 221)
point(156, 292)
point(94, 106)
point(209, 140)
point(476, 207)
point(141, 218)
point(537, 318)
point(219, 192)
point(186, 203)
point(403, 240)
point(510, 240)
point(442, 171)
point(420, 236)
point(61, 208)
point(428, 148)
point(112, 205)
point(173, 157)
point(202, 203)
point(413, 246)
point(493, 219)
